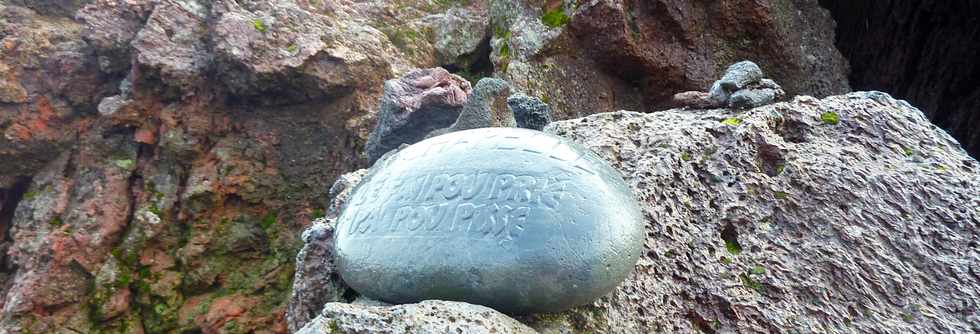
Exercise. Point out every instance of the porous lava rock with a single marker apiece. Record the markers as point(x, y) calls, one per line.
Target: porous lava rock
point(428, 317)
point(164, 156)
point(529, 112)
point(921, 51)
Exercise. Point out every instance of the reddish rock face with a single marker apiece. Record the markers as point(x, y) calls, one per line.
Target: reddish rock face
point(666, 46)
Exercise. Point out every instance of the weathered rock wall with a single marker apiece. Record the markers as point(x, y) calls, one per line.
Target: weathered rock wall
point(599, 56)
point(160, 158)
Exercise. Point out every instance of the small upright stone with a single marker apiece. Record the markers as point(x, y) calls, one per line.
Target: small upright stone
point(740, 75)
point(737, 76)
point(514, 219)
point(751, 98)
point(486, 107)
point(529, 112)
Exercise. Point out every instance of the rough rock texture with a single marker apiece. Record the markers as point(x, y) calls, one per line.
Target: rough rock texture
point(414, 105)
point(427, 317)
point(41, 111)
point(486, 107)
point(923, 51)
point(851, 213)
point(848, 214)
point(529, 112)
point(316, 281)
point(596, 56)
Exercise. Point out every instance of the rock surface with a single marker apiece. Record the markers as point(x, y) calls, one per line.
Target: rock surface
point(164, 156)
point(850, 213)
point(486, 107)
point(316, 280)
point(428, 317)
point(742, 86)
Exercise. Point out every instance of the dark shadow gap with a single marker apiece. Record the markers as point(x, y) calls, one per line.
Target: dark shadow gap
point(921, 51)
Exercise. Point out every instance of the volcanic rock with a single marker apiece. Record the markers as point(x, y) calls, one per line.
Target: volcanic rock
point(529, 112)
point(428, 317)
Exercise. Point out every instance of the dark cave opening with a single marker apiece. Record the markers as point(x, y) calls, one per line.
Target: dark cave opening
point(476, 65)
point(9, 198)
point(921, 51)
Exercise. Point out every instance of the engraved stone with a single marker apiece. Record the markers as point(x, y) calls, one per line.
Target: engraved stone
point(515, 219)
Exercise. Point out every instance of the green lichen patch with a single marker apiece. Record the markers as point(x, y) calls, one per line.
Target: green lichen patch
point(402, 37)
point(124, 163)
point(686, 156)
point(780, 194)
point(555, 17)
point(733, 247)
point(830, 118)
point(318, 213)
point(780, 168)
point(269, 219)
point(908, 152)
point(751, 283)
point(731, 121)
point(30, 195)
point(259, 25)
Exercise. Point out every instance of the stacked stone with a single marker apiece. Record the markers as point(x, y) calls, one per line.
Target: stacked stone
point(743, 86)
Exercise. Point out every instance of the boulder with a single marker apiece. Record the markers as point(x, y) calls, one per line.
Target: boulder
point(854, 205)
point(315, 281)
point(510, 218)
point(891, 48)
point(428, 317)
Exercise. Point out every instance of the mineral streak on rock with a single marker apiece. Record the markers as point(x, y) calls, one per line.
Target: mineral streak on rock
point(514, 219)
